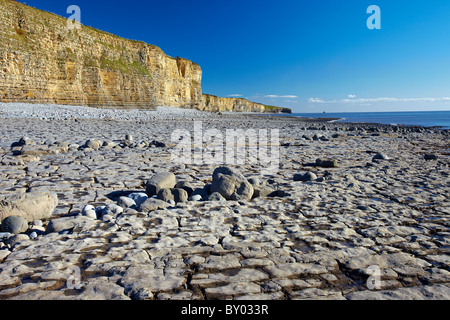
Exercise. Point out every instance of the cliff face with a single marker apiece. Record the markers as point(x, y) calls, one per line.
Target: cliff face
point(218, 104)
point(43, 61)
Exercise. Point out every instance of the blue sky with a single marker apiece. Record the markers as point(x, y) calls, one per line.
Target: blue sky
point(311, 56)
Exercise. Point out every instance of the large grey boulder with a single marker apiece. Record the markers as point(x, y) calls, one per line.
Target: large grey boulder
point(160, 181)
point(31, 206)
point(231, 184)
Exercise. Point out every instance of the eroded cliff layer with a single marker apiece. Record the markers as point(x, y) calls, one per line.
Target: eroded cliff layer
point(44, 61)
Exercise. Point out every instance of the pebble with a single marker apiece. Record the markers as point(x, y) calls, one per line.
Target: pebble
point(308, 176)
point(14, 224)
point(430, 157)
point(138, 197)
point(195, 197)
point(127, 202)
point(327, 163)
point(380, 156)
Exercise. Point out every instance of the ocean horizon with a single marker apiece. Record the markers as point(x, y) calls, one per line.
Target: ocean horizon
point(403, 118)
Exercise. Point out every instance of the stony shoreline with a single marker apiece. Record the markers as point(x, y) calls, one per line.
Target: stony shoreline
point(313, 231)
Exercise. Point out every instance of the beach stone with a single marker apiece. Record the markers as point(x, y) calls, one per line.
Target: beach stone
point(159, 181)
point(186, 185)
point(380, 156)
point(14, 224)
point(31, 206)
point(138, 197)
point(180, 195)
point(165, 194)
point(430, 157)
point(201, 192)
point(89, 211)
point(195, 197)
point(126, 202)
point(216, 196)
point(261, 191)
point(152, 204)
point(308, 176)
point(255, 181)
point(33, 235)
point(93, 144)
point(326, 163)
point(231, 184)
point(22, 142)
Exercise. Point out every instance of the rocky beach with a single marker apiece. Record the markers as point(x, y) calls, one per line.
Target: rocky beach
point(93, 208)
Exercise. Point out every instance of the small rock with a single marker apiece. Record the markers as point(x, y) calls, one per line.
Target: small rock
point(380, 156)
point(180, 195)
point(159, 181)
point(430, 157)
point(33, 235)
point(201, 192)
point(326, 163)
point(152, 204)
point(93, 144)
point(186, 186)
point(14, 224)
point(24, 141)
point(216, 196)
point(165, 194)
point(138, 197)
point(195, 197)
point(126, 202)
point(254, 181)
point(308, 176)
point(261, 191)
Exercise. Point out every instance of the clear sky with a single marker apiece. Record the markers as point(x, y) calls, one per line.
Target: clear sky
point(311, 56)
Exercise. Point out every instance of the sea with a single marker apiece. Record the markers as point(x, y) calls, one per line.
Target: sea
point(412, 118)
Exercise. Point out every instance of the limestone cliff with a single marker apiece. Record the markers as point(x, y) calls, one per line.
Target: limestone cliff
point(218, 104)
point(44, 61)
